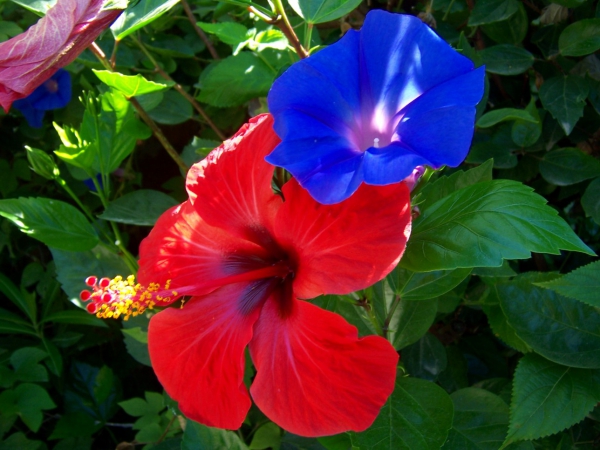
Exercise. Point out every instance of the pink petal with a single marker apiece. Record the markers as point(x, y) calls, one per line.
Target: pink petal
point(195, 256)
point(315, 377)
point(198, 355)
point(347, 246)
point(29, 59)
point(234, 183)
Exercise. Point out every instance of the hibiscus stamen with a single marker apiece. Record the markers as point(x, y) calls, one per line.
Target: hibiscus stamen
point(123, 297)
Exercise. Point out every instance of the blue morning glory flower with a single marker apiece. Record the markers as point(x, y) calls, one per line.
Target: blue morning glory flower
point(54, 93)
point(373, 106)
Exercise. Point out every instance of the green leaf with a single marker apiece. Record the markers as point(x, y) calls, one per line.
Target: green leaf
point(322, 10)
point(524, 133)
point(336, 442)
point(25, 361)
point(501, 219)
point(580, 38)
point(235, 80)
point(426, 358)
point(480, 421)
point(141, 207)
point(509, 31)
point(137, 334)
point(21, 301)
point(506, 59)
point(17, 328)
point(267, 436)
point(564, 98)
point(172, 110)
point(28, 401)
point(561, 329)
point(582, 284)
point(547, 397)
point(140, 15)
point(410, 322)
point(231, 33)
point(590, 201)
point(423, 286)
point(269, 39)
point(55, 223)
point(489, 11)
point(502, 115)
point(417, 416)
point(198, 436)
point(92, 391)
point(72, 268)
point(446, 185)
point(347, 308)
point(131, 86)
point(567, 166)
point(75, 316)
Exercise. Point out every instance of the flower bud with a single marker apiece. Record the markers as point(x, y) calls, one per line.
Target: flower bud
point(42, 163)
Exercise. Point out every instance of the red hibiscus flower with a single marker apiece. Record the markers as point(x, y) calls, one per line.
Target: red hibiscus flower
point(29, 59)
point(248, 258)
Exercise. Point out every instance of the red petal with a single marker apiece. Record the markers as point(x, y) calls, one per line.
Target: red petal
point(234, 182)
point(186, 250)
point(198, 355)
point(347, 246)
point(315, 377)
point(29, 59)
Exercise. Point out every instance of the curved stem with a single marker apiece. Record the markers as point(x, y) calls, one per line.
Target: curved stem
point(283, 24)
point(199, 31)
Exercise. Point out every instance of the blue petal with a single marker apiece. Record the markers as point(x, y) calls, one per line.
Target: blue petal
point(324, 86)
point(44, 99)
point(33, 116)
point(439, 125)
point(391, 164)
point(403, 59)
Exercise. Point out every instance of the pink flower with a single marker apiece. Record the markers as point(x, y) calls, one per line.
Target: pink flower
point(29, 59)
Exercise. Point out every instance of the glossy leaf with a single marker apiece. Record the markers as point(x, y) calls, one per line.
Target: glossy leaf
point(509, 31)
point(172, 110)
point(489, 11)
point(410, 322)
point(141, 207)
point(423, 286)
point(590, 201)
point(55, 223)
point(564, 98)
point(502, 115)
point(502, 219)
point(235, 80)
point(506, 59)
point(567, 166)
point(143, 13)
point(426, 358)
point(580, 38)
point(417, 416)
point(130, 86)
point(198, 436)
point(323, 10)
point(561, 329)
point(582, 284)
point(524, 133)
point(541, 389)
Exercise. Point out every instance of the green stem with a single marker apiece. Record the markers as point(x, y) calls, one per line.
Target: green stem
point(308, 35)
point(388, 319)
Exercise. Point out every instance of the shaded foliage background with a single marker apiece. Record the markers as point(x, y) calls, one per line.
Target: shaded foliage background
point(502, 350)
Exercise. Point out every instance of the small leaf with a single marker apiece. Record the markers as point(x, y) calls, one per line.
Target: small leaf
point(590, 201)
point(543, 388)
point(567, 166)
point(561, 329)
point(506, 59)
point(131, 86)
point(267, 436)
point(141, 207)
point(231, 33)
point(235, 80)
point(580, 38)
point(140, 15)
point(501, 219)
point(410, 322)
point(564, 98)
point(423, 286)
point(509, 31)
point(489, 11)
point(418, 415)
point(502, 115)
point(582, 284)
point(172, 110)
point(31, 399)
point(323, 10)
point(55, 223)
point(12, 292)
point(198, 436)
point(524, 133)
point(137, 334)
